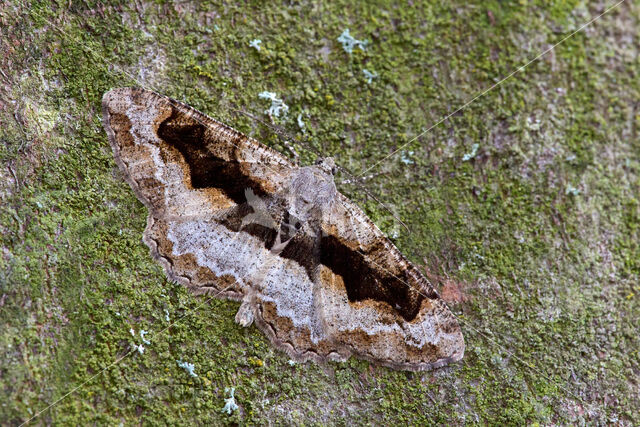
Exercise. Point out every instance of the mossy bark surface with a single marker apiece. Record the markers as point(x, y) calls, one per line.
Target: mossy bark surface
point(523, 206)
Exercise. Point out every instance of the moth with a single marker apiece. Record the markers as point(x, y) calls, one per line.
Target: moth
point(233, 218)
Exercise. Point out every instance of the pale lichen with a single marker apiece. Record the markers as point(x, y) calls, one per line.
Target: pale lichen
point(470, 155)
point(255, 43)
point(369, 75)
point(142, 334)
point(278, 107)
point(138, 347)
point(349, 42)
point(189, 367)
point(230, 404)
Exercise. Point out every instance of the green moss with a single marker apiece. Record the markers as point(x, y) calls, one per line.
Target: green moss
point(551, 279)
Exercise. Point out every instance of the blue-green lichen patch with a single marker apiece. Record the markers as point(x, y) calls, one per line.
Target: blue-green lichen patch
point(550, 275)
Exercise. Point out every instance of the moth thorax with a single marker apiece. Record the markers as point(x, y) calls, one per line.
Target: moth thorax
point(312, 190)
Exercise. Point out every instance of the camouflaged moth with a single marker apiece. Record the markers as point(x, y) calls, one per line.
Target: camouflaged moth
point(231, 217)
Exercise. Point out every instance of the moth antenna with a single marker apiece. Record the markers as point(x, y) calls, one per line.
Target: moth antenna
point(354, 179)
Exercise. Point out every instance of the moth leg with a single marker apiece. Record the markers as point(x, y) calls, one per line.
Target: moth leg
point(245, 316)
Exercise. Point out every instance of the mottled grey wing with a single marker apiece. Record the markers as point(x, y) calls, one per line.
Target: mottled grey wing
point(189, 170)
point(377, 304)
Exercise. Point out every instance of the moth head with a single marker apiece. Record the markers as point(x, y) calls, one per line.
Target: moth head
point(327, 164)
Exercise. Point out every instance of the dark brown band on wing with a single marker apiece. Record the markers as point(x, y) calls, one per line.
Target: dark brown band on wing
point(300, 247)
point(209, 165)
point(363, 282)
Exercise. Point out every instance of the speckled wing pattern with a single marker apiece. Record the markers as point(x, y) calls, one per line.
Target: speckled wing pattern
point(230, 217)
